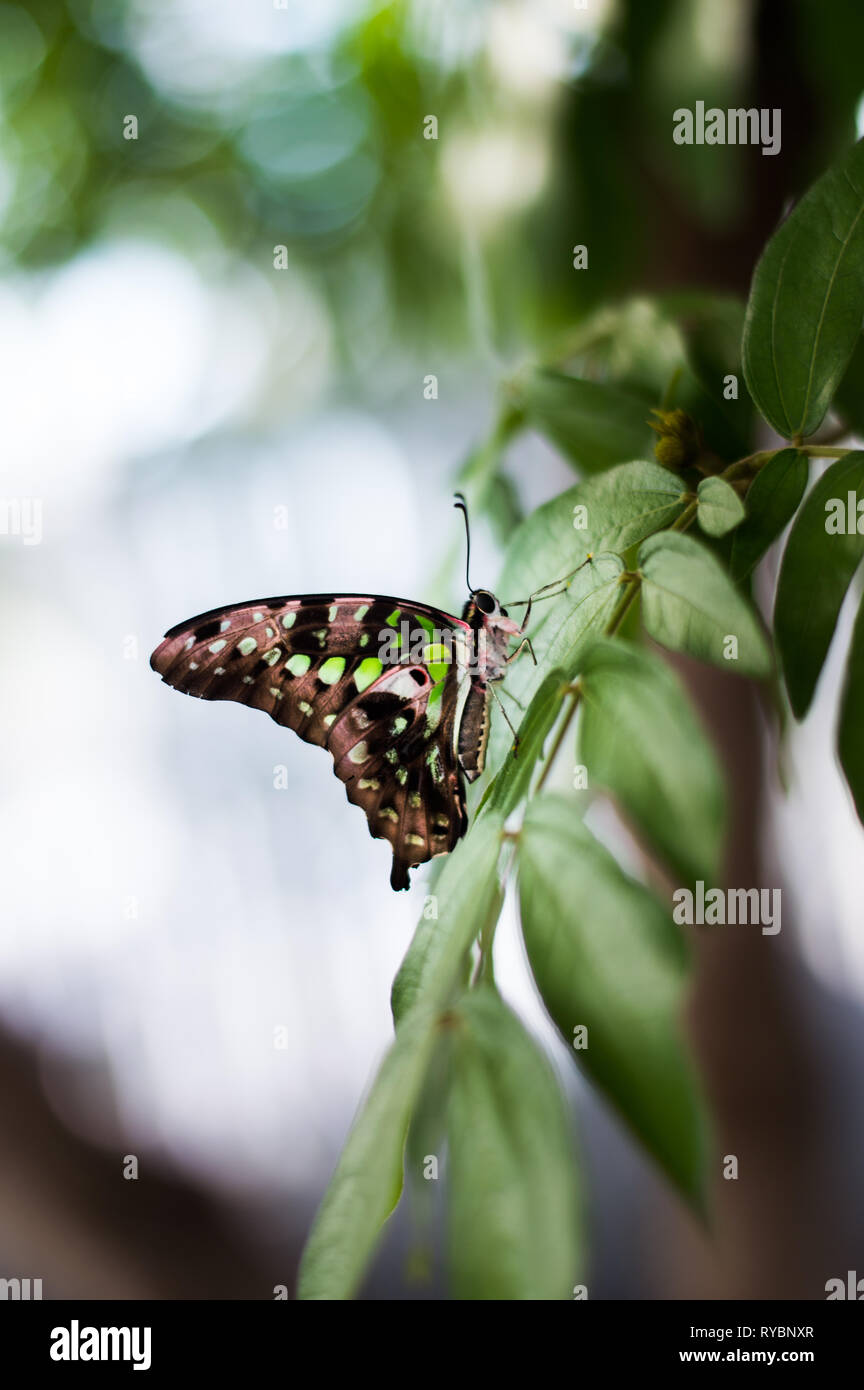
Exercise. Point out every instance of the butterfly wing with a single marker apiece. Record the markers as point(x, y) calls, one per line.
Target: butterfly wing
point(314, 664)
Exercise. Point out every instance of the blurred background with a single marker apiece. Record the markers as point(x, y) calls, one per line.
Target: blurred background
point(230, 259)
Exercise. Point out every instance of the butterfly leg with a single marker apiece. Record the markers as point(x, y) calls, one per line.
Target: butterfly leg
point(526, 642)
point(507, 718)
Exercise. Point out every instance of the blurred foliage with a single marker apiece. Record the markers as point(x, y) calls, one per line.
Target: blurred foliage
point(549, 135)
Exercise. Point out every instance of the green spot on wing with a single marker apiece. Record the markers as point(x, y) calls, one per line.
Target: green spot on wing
point(368, 671)
point(393, 619)
point(332, 670)
point(437, 659)
point(299, 664)
point(247, 645)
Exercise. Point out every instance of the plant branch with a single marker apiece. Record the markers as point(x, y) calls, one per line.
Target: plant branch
point(575, 694)
point(685, 520)
point(824, 451)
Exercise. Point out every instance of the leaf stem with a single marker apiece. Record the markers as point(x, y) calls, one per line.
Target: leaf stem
point(685, 520)
point(824, 451)
point(753, 462)
point(574, 695)
point(633, 583)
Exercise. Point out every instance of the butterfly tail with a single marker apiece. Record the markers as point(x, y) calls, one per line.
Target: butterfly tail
point(399, 877)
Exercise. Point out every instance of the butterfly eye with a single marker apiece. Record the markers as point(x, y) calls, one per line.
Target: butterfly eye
point(485, 601)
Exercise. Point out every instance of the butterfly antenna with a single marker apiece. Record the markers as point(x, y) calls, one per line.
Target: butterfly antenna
point(463, 507)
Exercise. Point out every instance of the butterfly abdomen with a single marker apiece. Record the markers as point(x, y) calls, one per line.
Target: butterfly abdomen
point(474, 731)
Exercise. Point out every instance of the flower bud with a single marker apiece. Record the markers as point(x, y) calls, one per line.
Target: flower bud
point(680, 442)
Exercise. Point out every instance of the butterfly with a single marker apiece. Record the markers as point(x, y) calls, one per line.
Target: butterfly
point(398, 692)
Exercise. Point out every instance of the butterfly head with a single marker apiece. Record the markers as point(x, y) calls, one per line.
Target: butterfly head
point(483, 610)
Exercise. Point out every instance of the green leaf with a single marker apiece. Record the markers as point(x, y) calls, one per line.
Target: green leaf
point(849, 400)
point(612, 511)
point(711, 325)
point(427, 1134)
point(621, 507)
point(467, 892)
point(560, 628)
point(850, 731)
point(816, 571)
point(640, 740)
point(807, 302)
point(630, 344)
point(720, 508)
point(772, 500)
point(568, 621)
point(367, 1183)
point(514, 1221)
point(689, 604)
point(593, 425)
point(605, 954)
point(514, 776)
point(627, 503)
